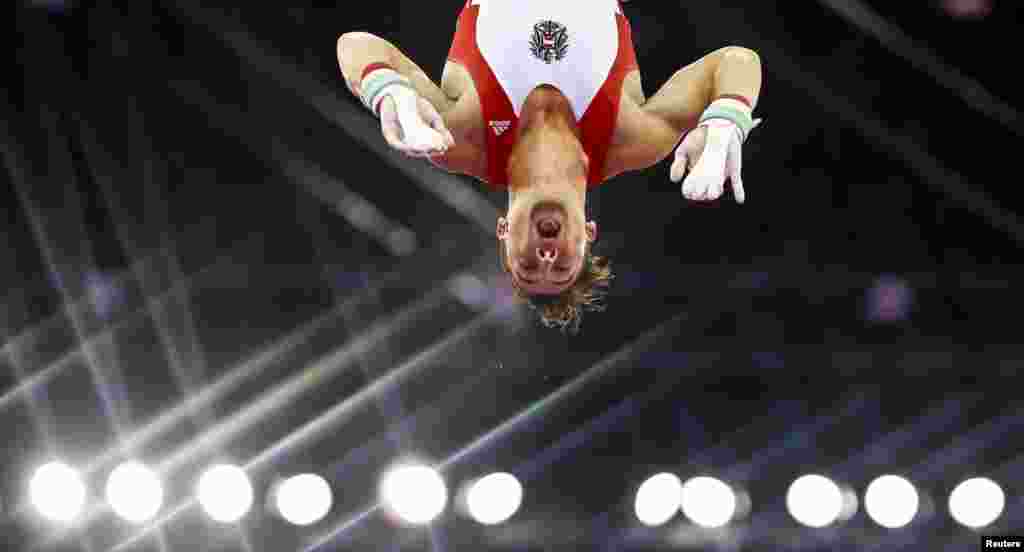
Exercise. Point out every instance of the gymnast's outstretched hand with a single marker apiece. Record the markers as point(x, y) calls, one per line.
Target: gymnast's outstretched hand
point(412, 125)
point(707, 156)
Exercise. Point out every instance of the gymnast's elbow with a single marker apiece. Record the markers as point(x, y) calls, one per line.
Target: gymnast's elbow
point(740, 53)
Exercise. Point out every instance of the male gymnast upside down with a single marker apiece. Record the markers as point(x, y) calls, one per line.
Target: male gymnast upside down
point(543, 98)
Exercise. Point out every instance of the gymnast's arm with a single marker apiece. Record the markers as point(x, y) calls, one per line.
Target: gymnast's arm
point(653, 129)
point(357, 50)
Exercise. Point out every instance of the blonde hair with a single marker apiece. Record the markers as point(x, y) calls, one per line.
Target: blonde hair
point(565, 310)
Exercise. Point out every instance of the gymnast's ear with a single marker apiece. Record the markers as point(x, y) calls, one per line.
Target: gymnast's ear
point(502, 229)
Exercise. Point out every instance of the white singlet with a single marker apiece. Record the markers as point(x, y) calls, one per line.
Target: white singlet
point(583, 48)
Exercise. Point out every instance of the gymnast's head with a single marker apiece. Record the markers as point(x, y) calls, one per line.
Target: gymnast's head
point(545, 240)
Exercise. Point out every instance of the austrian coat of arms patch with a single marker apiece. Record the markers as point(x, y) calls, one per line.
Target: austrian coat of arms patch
point(550, 41)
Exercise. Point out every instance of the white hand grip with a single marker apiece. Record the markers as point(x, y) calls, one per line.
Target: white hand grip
point(417, 135)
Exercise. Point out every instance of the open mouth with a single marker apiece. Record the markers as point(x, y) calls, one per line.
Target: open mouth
point(548, 227)
point(548, 220)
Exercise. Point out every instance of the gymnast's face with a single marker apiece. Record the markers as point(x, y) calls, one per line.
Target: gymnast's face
point(545, 232)
point(545, 245)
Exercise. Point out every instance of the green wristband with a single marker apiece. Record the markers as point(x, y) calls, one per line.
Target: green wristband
point(742, 120)
point(376, 82)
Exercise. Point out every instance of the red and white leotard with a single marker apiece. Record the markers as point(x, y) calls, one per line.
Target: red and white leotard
point(582, 47)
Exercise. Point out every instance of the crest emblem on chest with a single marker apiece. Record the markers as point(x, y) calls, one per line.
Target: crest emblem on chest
point(550, 41)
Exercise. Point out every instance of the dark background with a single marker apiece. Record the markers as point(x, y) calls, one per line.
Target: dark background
point(191, 196)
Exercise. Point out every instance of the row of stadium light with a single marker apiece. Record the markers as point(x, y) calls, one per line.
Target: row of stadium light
point(417, 494)
point(414, 493)
point(814, 501)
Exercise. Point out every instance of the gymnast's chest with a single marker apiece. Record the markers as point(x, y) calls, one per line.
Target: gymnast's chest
point(569, 45)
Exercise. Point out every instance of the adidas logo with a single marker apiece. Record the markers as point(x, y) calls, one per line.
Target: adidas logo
point(500, 127)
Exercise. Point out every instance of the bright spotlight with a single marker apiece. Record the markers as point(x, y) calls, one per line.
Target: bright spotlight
point(134, 492)
point(495, 498)
point(304, 499)
point(891, 501)
point(977, 502)
point(658, 499)
point(708, 502)
point(814, 501)
point(57, 492)
point(225, 493)
point(416, 494)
